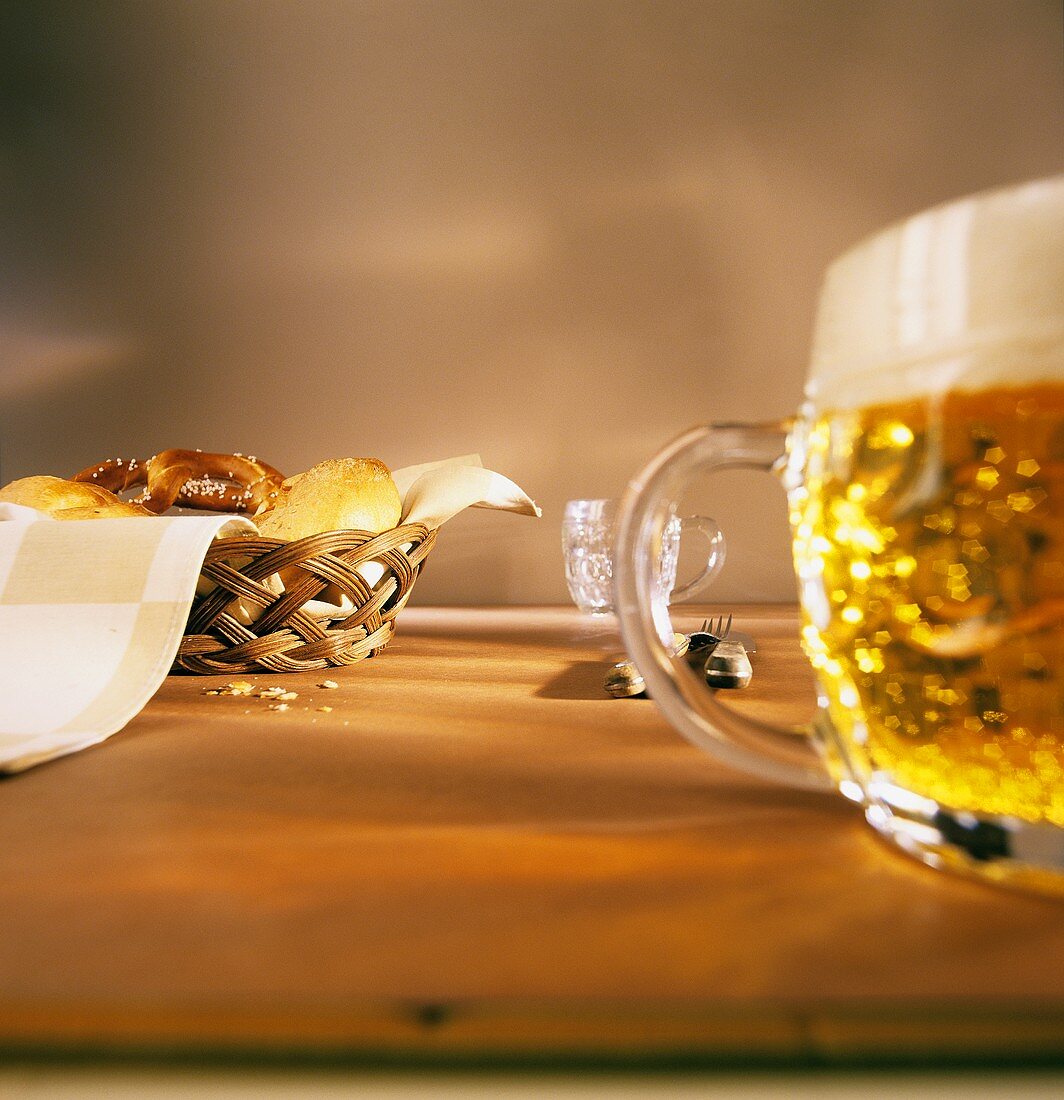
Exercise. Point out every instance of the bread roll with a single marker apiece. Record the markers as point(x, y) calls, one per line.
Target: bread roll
point(340, 494)
point(63, 499)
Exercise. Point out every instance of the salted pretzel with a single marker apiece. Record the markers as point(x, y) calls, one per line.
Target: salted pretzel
point(193, 479)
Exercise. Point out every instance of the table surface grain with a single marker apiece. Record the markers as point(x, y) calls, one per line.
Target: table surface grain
point(477, 854)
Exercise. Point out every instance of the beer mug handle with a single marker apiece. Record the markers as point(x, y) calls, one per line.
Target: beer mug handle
point(757, 747)
point(709, 530)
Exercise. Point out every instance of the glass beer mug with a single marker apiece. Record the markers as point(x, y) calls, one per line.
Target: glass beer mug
point(925, 483)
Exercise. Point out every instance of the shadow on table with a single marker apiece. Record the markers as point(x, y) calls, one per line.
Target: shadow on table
point(582, 680)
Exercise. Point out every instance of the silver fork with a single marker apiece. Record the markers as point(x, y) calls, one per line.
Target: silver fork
point(623, 680)
point(723, 662)
point(704, 640)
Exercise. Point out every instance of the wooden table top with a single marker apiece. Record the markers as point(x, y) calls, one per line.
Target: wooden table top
point(477, 854)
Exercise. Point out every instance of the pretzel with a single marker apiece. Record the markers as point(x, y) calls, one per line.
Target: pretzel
point(194, 479)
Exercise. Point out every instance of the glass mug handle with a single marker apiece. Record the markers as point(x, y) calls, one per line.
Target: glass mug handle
point(760, 748)
point(709, 530)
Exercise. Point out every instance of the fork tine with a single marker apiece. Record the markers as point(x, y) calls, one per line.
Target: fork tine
point(717, 628)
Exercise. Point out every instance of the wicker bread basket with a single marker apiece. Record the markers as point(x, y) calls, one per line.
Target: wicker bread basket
point(284, 637)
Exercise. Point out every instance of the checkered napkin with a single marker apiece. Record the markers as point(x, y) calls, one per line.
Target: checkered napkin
point(91, 616)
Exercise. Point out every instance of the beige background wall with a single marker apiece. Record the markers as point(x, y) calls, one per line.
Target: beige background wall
point(553, 232)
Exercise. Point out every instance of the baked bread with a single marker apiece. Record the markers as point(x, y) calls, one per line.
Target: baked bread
point(340, 494)
point(194, 479)
point(62, 499)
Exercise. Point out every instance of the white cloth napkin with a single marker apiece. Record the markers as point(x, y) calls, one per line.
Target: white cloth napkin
point(91, 616)
point(92, 611)
point(435, 492)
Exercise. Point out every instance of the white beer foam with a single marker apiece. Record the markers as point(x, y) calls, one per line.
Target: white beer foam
point(966, 296)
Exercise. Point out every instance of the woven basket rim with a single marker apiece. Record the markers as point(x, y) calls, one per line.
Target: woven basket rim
point(417, 528)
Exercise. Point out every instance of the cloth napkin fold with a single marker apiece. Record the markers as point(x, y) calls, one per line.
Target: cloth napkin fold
point(92, 611)
point(91, 617)
point(435, 492)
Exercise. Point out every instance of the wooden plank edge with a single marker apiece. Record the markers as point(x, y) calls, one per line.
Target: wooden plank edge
point(528, 1033)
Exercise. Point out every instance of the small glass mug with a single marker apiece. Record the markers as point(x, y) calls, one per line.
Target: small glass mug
point(925, 481)
point(588, 537)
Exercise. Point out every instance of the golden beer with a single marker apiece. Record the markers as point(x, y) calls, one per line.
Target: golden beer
point(929, 547)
